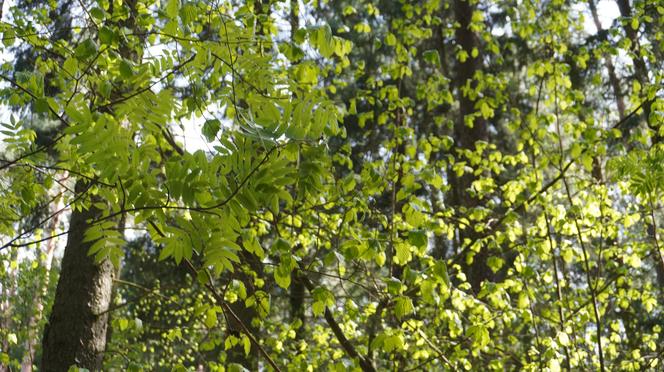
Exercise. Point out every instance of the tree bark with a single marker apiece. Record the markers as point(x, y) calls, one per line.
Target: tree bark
point(76, 330)
point(465, 136)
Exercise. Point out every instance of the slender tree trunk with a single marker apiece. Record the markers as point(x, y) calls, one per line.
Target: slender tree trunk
point(253, 262)
point(641, 74)
point(8, 291)
point(246, 315)
point(294, 17)
point(296, 290)
point(640, 67)
point(76, 330)
point(466, 136)
point(610, 68)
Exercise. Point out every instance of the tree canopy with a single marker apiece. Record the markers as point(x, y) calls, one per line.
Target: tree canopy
point(332, 185)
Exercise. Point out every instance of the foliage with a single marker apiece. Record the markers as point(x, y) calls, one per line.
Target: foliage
point(414, 185)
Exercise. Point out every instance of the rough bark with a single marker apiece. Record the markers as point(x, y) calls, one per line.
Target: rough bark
point(465, 136)
point(78, 325)
point(76, 333)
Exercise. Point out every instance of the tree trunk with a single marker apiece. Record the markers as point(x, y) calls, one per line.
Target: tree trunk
point(465, 136)
point(75, 333)
point(245, 314)
point(611, 70)
point(640, 67)
point(9, 286)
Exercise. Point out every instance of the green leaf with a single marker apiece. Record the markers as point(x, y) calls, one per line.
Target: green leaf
point(97, 13)
point(246, 342)
point(172, 7)
point(418, 238)
point(432, 57)
point(210, 318)
point(210, 129)
point(440, 272)
point(479, 334)
point(41, 105)
point(86, 49)
point(404, 306)
point(403, 254)
point(8, 37)
point(126, 69)
point(106, 35)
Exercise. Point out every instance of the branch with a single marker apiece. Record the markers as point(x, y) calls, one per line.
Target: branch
point(145, 89)
point(365, 364)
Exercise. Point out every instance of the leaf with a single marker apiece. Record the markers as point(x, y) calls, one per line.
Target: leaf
point(210, 129)
point(8, 37)
point(210, 318)
point(440, 272)
point(97, 13)
point(70, 66)
point(172, 7)
point(282, 276)
point(479, 334)
point(247, 345)
point(126, 69)
point(432, 57)
point(404, 306)
point(324, 41)
point(41, 105)
point(403, 254)
point(418, 238)
point(86, 49)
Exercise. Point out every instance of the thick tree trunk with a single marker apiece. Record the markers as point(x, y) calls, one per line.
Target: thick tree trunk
point(466, 136)
point(76, 333)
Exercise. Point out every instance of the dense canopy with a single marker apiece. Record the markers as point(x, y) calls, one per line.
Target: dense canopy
point(332, 185)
